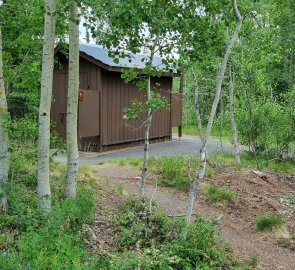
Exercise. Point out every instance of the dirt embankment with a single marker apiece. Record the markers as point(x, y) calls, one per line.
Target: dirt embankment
point(254, 196)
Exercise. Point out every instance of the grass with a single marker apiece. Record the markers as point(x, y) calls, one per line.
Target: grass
point(218, 195)
point(136, 162)
point(148, 239)
point(266, 163)
point(272, 223)
point(192, 130)
point(287, 243)
point(172, 171)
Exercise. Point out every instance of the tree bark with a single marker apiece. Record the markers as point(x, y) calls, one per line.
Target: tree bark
point(72, 104)
point(220, 76)
point(147, 131)
point(44, 193)
point(4, 141)
point(232, 117)
point(197, 106)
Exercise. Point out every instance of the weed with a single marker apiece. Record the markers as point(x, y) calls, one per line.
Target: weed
point(253, 262)
point(287, 243)
point(271, 223)
point(136, 162)
point(289, 201)
point(214, 194)
point(148, 239)
point(121, 190)
point(172, 172)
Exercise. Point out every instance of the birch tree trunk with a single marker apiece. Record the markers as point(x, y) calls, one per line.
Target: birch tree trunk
point(4, 142)
point(146, 142)
point(44, 193)
point(72, 103)
point(147, 132)
point(232, 116)
point(197, 106)
point(220, 76)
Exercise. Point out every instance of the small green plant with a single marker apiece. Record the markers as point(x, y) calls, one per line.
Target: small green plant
point(253, 262)
point(148, 239)
point(269, 223)
point(214, 194)
point(173, 172)
point(287, 243)
point(136, 162)
point(289, 201)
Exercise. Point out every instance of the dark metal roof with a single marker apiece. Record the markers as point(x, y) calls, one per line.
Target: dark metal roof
point(137, 61)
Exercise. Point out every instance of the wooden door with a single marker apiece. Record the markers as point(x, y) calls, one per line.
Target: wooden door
point(89, 113)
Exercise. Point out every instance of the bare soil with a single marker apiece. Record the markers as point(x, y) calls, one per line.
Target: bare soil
point(254, 196)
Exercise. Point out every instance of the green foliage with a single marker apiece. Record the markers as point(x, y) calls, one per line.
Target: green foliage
point(287, 243)
point(172, 172)
point(289, 201)
point(155, 103)
point(266, 162)
point(215, 195)
point(269, 223)
point(49, 242)
point(149, 239)
point(22, 52)
point(271, 125)
point(23, 129)
point(136, 162)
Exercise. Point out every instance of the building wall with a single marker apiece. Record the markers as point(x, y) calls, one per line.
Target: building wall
point(116, 95)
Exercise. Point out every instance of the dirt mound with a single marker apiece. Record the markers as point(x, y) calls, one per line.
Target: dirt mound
point(254, 196)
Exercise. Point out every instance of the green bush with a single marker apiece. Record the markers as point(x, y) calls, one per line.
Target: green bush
point(269, 223)
point(149, 239)
point(55, 241)
point(215, 194)
point(172, 171)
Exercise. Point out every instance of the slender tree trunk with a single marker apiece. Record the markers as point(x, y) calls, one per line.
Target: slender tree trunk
point(72, 104)
point(221, 123)
point(146, 145)
point(232, 116)
point(197, 106)
point(182, 86)
point(44, 193)
point(201, 171)
point(147, 132)
point(4, 142)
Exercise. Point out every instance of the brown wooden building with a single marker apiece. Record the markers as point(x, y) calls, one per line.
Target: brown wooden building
point(102, 97)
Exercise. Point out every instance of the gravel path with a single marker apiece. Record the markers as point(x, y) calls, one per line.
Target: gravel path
point(185, 146)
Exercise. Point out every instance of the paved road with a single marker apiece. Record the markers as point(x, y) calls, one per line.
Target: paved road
point(186, 146)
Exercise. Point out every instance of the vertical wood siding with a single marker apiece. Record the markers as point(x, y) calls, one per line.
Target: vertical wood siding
point(116, 95)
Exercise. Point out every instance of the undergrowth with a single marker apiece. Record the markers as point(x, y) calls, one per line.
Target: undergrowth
point(31, 239)
point(215, 195)
point(149, 239)
point(271, 223)
point(173, 171)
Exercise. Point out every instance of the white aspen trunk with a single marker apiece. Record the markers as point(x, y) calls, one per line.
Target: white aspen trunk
point(146, 144)
point(72, 104)
point(44, 193)
point(4, 141)
point(197, 106)
point(232, 117)
point(147, 132)
point(220, 76)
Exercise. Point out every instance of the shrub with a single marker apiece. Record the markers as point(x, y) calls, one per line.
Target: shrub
point(172, 171)
point(215, 194)
point(56, 242)
point(149, 239)
point(269, 223)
